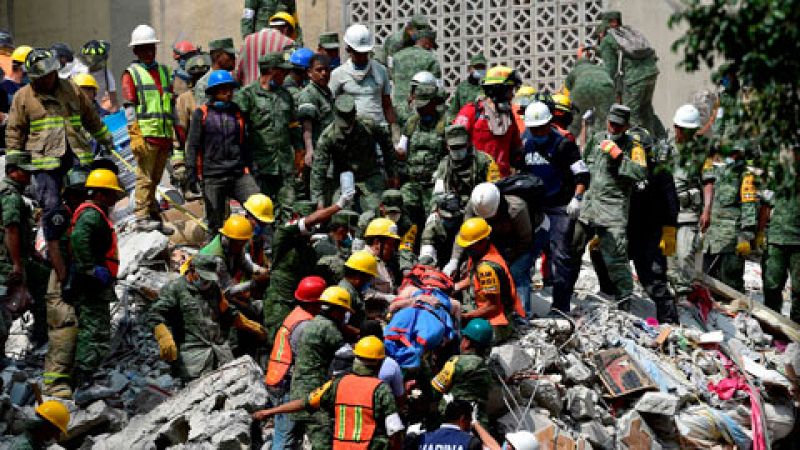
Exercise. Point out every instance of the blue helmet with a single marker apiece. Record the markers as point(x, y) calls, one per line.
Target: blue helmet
point(220, 78)
point(301, 58)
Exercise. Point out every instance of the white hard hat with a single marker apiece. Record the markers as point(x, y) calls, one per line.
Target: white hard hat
point(359, 38)
point(423, 77)
point(687, 116)
point(485, 199)
point(143, 34)
point(523, 440)
point(537, 114)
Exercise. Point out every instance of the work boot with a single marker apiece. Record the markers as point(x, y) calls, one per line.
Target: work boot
point(666, 311)
point(59, 390)
point(88, 391)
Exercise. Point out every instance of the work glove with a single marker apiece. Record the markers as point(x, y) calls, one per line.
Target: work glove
point(138, 146)
point(180, 173)
point(346, 199)
point(243, 323)
point(610, 148)
point(102, 275)
point(574, 207)
point(743, 248)
point(168, 351)
point(668, 243)
point(588, 117)
point(450, 268)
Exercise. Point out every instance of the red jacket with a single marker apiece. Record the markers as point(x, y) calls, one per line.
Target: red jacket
point(502, 148)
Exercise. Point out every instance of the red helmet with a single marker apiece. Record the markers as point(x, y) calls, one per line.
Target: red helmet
point(309, 289)
point(182, 48)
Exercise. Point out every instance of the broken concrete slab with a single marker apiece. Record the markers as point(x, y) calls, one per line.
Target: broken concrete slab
point(581, 402)
point(597, 435)
point(576, 371)
point(511, 359)
point(136, 247)
point(658, 403)
point(97, 417)
point(545, 394)
point(634, 434)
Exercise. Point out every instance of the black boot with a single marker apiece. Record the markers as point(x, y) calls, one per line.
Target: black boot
point(87, 391)
point(666, 311)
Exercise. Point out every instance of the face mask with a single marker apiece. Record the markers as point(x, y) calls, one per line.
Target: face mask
point(221, 105)
point(539, 140)
point(729, 160)
point(361, 66)
point(347, 242)
point(478, 74)
point(459, 155)
point(335, 62)
point(394, 216)
point(505, 446)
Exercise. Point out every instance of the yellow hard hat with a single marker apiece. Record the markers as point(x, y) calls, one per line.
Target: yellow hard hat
point(499, 75)
point(562, 102)
point(382, 227)
point(20, 53)
point(85, 80)
point(336, 296)
point(370, 347)
point(56, 413)
point(103, 179)
point(526, 91)
point(363, 261)
point(237, 228)
point(472, 231)
point(283, 16)
point(260, 206)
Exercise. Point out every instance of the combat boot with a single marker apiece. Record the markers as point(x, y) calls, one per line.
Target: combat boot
point(88, 391)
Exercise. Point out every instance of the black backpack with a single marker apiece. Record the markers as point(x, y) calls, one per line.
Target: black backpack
point(527, 187)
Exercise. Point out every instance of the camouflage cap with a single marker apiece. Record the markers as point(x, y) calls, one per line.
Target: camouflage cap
point(426, 33)
point(304, 207)
point(345, 218)
point(419, 22)
point(449, 205)
point(329, 40)
point(205, 266)
point(344, 109)
point(224, 44)
point(478, 60)
point(20, 160)
point(456, 136)
point(619, 114)
point(425, 94)
point(272, 60)
point(392, 200)
point(611, 14)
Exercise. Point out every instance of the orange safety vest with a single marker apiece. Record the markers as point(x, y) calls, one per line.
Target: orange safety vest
point(112, 254)
point(354, 410)
point(281, 357)
point(499, 319)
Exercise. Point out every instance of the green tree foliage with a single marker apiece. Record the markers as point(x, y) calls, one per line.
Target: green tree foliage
point(758, 42)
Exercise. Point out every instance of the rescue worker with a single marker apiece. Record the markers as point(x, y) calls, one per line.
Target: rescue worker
point(422, 147)
point(260, 212)
point(468, 90)
point(364, 78)
point(321, 338)
point(6, 49)
point(466, 376)
point(360, 270)
point(193, 309)
point(490, 120)
point(181, 52)
point(293, 257)
point(616, 163)
point(258, 13)
point(95, 261)
point(274, 133)
point(392, 207)
point(782, 240)
point(216, 150)
point(257, 45)
point(462, 168)
point(94, 61)
point(694, 182)
point(556, 160)
point(407, 63)
point(734, 217)
point(314, 109)
point(66, 59)
point(383, 242)
point(562, 116)
point(339, 239)
point(89, 87)
point(364, 411)
point(37, 125)
point(441, 228)
point(403, 39)
point(634, 78)
point(590, 89)
point(61, 317)
point(349, 145)
point(228, 246)
point(50, 423)
point(493, 292)
point(149, 108)
point(297, 78)
point(454, 432)
point(282, 358)
point(223, 57)
point(329, 46)
point(197, 66)
point(21, 270)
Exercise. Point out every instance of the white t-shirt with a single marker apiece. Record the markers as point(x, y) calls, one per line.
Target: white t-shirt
point(368, 93)
point(104, 78)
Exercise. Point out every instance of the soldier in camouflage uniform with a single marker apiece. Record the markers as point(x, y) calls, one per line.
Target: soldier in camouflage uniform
point(694, 183)
point(462, 168)
point(334, 249)
point(590, 88)
point(638, 77)
point(616, 163)
point(733, 218)
point(468, 90)
point(314, 111)
point(782, 254)
point(223, 57)
point(407, 63)
point(199, 318)
point(350, 144)
point(257, 13)
point(422, 146)
point(273, 130)
point(393, 208)
point(402, 39)
point(436, 243)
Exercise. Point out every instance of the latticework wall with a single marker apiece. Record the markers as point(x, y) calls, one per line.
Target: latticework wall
point(537, 37)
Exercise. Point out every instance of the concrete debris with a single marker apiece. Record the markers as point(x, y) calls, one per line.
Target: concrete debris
point(546, 394)
point(136, 249)
point(94, 419)
point(598, 435)
point(658, 403)
point(511, 359)
point(634, 434)
point(575, 370)
point(581, 402)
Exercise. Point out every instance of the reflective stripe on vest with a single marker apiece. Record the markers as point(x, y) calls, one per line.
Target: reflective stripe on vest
point(112, 255)
point(59, 122)
point(499, 319)
point(354, 423)
point(154, 112)
point(281, 357)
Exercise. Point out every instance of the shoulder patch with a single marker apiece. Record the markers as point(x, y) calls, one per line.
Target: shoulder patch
point(444, 379)
point(749, 193)
point(493, 172)
point(315, 397)
point(488, 281)
point(708, 164)
point(409, 239)
point(638, 155)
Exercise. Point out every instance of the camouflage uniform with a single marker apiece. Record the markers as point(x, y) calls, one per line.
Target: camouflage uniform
point(199, 88)
point(321, 338)
point(733, 220)
point(392, 202)
point(407, 63)
point(332, 254)
point(465, 377)
point(441, 228)
point(461, 177)
point(256, 14)
point(468, 90)
point(782, 255)
point(400, 40)
point(315, 103)
point(590, 87)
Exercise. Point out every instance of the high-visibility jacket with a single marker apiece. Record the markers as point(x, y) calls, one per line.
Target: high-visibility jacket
point(281, 358)
point(154, 111)
point(354, 412)
point(111, 261)
point(508, 290)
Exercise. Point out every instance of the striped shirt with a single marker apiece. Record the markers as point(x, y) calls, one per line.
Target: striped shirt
point(256, 45)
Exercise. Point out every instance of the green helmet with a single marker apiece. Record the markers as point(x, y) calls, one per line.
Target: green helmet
point(40, 62)
point(479, 331)
point(198, 64)
point(76, 178)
